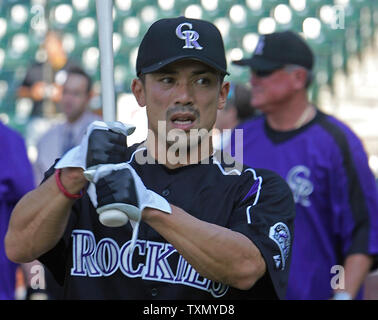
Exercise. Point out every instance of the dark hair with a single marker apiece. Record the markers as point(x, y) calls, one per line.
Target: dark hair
point(239, 97)
point(80, 71)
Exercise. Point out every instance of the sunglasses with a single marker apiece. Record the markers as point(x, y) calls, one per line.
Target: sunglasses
point(264, 73)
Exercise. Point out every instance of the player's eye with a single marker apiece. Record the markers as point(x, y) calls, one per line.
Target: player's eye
point(166, 80)
point(203, 81)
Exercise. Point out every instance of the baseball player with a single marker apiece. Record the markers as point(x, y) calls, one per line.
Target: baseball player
point(199, 227)
point(325, 165)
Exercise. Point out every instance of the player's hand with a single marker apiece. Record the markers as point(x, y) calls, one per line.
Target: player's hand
point(116, 190)
point(106, 146)
point(118, 186)
point(120, 189)
point(104, 142)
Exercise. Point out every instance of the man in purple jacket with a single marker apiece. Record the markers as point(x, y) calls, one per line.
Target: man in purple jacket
point(16, 179)
point(324, 163)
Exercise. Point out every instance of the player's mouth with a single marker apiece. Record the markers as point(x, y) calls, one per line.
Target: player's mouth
point(184, 121)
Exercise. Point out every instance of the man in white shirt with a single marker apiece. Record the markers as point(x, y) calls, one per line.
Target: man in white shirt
point(64, 136)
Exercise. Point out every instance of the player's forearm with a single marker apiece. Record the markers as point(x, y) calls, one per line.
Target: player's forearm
point(215, 252)
point(356, 268)
point(39, 219)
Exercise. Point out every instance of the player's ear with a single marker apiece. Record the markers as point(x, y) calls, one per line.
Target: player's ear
point(300, 78)
point(137, 87)
point(225, 88)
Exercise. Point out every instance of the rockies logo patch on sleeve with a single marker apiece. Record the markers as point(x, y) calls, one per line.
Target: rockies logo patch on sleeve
point(280, 234)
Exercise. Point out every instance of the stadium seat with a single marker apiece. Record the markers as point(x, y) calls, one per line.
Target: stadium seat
point(137, 6)
point(18, 19)
point(87, 30)
point(63, 17)
point(84, 8)
point(323, 67)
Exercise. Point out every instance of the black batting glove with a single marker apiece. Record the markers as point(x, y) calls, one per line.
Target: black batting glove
point(105, 146)
point(116, 187)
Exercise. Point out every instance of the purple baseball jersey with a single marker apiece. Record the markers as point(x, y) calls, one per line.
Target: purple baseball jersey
point(335, 193)
point(16, 179)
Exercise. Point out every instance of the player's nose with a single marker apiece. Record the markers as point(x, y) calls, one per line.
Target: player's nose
point(183, 94)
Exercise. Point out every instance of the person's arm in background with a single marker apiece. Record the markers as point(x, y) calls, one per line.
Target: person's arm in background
point(17, 178)
point(356, 269)
point(356, 198)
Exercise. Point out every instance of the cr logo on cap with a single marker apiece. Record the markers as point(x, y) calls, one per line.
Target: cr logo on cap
point(260, 46)
point(190, 36)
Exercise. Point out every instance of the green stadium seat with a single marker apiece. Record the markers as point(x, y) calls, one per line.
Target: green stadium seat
point(123, 53)
point(55, 2)
point(84, 8)
point(63, 17)
point(78, 48)
point(87, 30)
point(313, 6)
point(8, 86)
point(137, 6)
point(351, 43)
point(90, 58)
point(18, 18)
point(124, 9)
point(373, 5)
point(238, 74)
point(181, 5)
point(324, 67)
point(131, 29)
point(123, 76)
point(366, 26)
point(222, 9)
point(6, 79)
point(353, 23)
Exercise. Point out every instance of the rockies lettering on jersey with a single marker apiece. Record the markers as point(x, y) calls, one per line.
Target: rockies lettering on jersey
point(102, 259)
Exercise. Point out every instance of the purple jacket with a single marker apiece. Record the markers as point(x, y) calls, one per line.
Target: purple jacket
point(16, 179)
point(335, 193)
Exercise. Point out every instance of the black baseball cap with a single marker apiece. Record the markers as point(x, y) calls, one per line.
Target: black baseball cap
point(173, 39)
point(275, 50)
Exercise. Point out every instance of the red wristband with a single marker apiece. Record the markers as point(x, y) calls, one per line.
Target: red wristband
point(63, 190)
